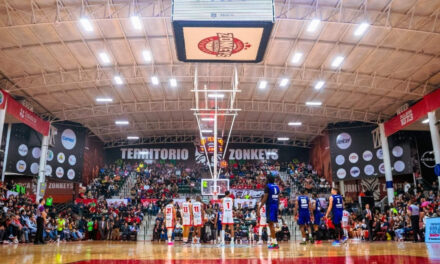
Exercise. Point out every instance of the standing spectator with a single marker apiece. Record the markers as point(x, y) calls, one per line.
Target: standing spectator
point(103, 227)
point(368, 217)
point(414, 213)
point(41, 218)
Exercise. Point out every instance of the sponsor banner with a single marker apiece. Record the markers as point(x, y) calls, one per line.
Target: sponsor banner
point(23, 114)
point(241, 193)
point(353, 155)
point(116, 202)
point(430, 102)
point(245, 203)
point(147, 202)
point(284, 202)
point(64, 157)
point(432, 230)
point(86, 201)
point(189, 153)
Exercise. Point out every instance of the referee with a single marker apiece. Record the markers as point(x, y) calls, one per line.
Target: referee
point(41, 216)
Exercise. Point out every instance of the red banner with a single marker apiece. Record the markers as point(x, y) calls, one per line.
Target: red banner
point(147, 202)
point(86, 201)
point(23, 114)
point(430, 102)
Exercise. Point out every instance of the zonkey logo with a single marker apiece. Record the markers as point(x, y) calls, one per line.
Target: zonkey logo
point(343, 141)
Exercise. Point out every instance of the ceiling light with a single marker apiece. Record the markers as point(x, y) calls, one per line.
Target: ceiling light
point(426, 121)
point(295, 123)
point(136, 22)
point(313, 103)
point(147, 55)
point(104, 57)
point(104, 100)
point(216, 95)
point(284, 82)
point(86, 24)
point(263, 84)
point(319, 85)
point(132, 137)
point(154, 80)
point(313, 25)
point(118, 80)
point(283, 138)
point(122, 122)
point(207, 119)
point(173, 82)
point(297, 57)
point(360, 30)
point(206, 130)
point(337, 61)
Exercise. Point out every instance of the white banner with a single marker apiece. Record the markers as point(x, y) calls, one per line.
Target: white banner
point(116, 202)
point(240, 193)
point(9, 193)
point(245, 203)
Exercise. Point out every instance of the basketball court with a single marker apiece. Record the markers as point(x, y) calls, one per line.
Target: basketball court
point(348, 87)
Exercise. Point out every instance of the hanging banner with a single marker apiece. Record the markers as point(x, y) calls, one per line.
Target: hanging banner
point(428, 103)
point(147, 202)
point(23, 114)
point(116, 202)
point(245, 203)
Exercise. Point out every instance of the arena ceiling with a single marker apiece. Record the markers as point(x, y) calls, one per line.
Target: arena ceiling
point(50, 59)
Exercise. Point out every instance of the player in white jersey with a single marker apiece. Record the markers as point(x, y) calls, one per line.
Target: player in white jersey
point(262, 223)
point(227, 217)
point(170, 220)
point(345, 219)
point(187, 218)
point(199, 215)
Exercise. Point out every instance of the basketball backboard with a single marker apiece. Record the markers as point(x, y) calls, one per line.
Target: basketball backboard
point(208, 186)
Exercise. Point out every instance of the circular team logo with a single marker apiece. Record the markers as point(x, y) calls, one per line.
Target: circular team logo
point(343, 141)
point(340, 159)
point(379, 154)
point(399, 166)
point(59, 172)
point(382, 168)
point(21, 166)
point(34, 168)
point(36, 152)
point(428, 159)
point(48, 170)
point(341, 173)
point(49, 155)
point(22, 150)
point(397, 151)
point(369, 169)
point(367, 155)
point(68, 139)
point(353, 158)
point(72, 160)
point(61, 157)
point(222, 45)
point(355, 172)
point(70, 174)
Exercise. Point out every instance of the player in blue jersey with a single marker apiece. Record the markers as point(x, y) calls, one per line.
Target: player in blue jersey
point(317, 215)
point(270, 198)
point(303, 210)
point(336, 207)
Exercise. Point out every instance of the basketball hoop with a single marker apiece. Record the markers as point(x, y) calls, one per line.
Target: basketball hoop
point(214, 193)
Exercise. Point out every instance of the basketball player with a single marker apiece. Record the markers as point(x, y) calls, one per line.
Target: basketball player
point(336, 207)
point(227, 217)
point(270, 198)
point(303, 210)
point(316, 208)
point(199, 215)
point(170, 219)
point(262, 223)
point(345, 226)
point(187, 218)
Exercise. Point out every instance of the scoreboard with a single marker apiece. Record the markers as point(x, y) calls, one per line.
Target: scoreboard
point(208, 143)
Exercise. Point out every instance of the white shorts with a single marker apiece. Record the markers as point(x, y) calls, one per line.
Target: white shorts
point(344, 224)
point(263, 221)
point(197, 221)
point(187, 221)
point(227, 219)
point(169, 224)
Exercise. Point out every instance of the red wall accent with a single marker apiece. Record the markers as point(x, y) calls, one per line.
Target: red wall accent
point(320, 156)
point(93, 158)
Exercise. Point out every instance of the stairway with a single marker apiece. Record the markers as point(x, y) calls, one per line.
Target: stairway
point(129, 183)
point(146, 229)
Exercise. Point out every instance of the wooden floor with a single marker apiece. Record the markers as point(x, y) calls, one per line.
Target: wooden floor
point(152, 253)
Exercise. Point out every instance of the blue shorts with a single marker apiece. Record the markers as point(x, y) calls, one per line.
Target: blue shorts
point(272, 215)
point(336, 219)
point(304, 219)
point(317, 220)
